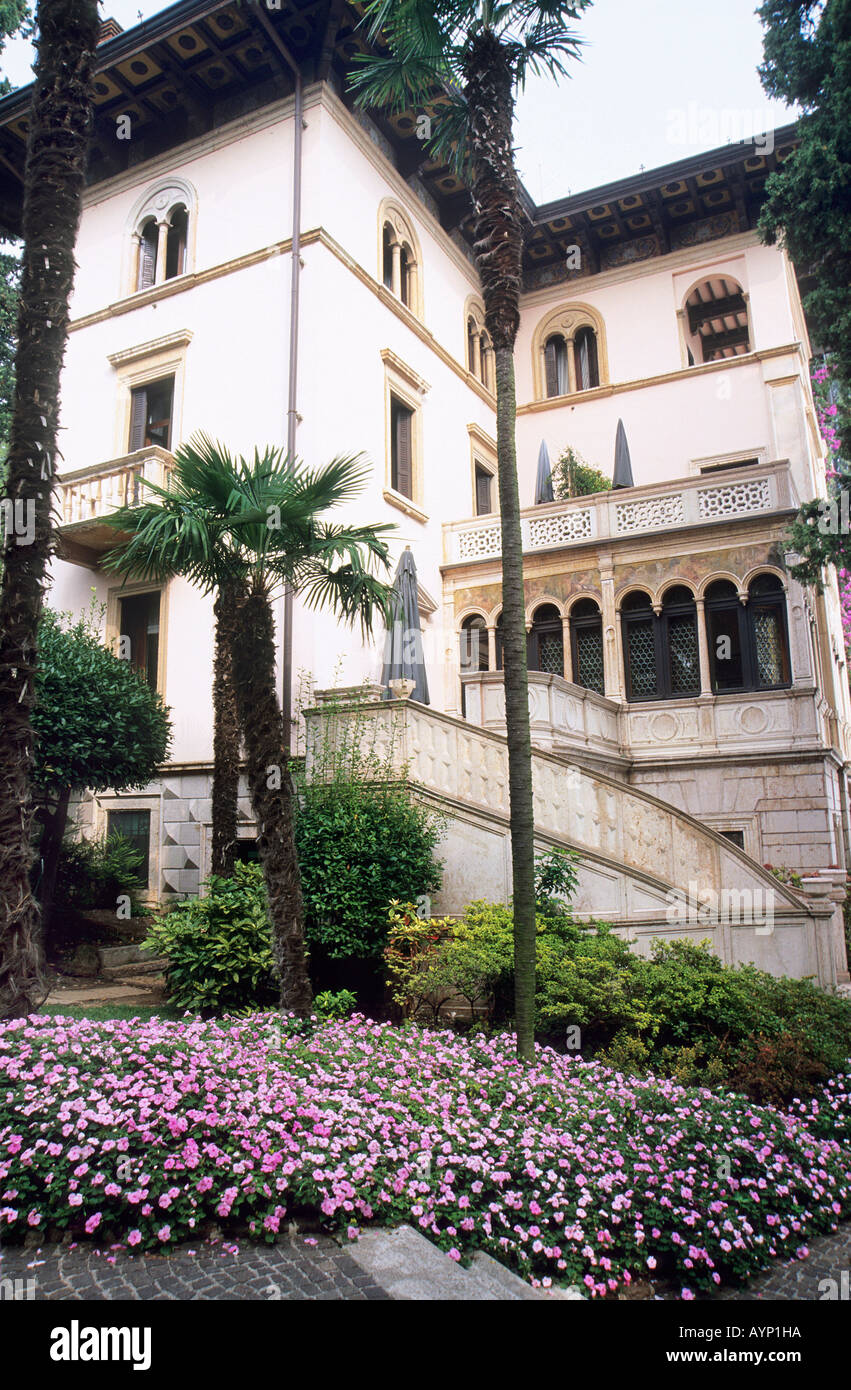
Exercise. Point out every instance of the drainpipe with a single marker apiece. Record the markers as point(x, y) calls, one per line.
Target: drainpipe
point(292, 412)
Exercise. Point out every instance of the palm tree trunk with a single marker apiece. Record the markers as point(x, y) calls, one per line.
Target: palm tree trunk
point(489, 90)
point(53, 184)
point(253, 649)
point(225, 734)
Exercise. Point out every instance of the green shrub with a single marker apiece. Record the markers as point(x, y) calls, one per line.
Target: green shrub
point(363, 839)
point(335, 1003)
point(573, 476)
point(93, 874)
point(219, 947)
point(680, 1012)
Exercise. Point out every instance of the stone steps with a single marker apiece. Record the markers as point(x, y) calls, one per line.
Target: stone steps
point(410, 1268)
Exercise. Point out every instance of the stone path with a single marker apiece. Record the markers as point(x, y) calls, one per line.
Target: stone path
point(316, 1268)
point(313, 1267)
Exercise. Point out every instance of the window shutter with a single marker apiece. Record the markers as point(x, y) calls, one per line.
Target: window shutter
point(147, 256)
point(483, 492)
point(404, 454)
point(551, 362)
point(138, 418)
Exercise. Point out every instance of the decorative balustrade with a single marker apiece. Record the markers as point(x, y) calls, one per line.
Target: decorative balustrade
point(90, 494)
point(700, 501)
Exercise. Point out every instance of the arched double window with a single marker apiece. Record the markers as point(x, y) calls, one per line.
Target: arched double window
point(161, 225)
point(586, 645)
point(748, 643)
point(545, 643)
point(400, 262)
point(480, 354)
point(661, 649)
point(569, 352)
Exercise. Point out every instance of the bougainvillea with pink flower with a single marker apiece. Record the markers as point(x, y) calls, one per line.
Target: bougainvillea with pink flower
point(819, 545)
point(568, 1171)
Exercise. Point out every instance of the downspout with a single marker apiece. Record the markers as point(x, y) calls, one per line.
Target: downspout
point(292, 411)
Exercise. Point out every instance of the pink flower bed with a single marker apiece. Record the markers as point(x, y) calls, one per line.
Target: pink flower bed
point(567, 1171)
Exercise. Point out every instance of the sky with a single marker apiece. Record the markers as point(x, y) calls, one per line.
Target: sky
point(658, 80)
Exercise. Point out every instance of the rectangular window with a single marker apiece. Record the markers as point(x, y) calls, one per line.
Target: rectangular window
point(139, 633)
point(150, 415)
point(736, 837)
point(134, 826)
point(484, 491)
point(401, 447)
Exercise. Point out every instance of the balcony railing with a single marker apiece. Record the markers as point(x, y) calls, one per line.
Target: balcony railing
point(90, 494)
point(700, 501)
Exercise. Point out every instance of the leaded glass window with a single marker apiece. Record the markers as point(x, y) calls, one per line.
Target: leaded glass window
point(586, 628)
point(546, 641)
point(748, 645)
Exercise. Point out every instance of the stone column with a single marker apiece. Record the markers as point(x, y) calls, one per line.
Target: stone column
point(612, 645)
point(477, 356)
point(162, 248)
point(490, 369)
point(703, 648)
point(568, 654)
point(571, 366)
point(137, 252)
point(397, 269)
point(492, 648)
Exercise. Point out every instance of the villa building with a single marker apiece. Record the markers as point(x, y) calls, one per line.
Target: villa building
point(689, 700)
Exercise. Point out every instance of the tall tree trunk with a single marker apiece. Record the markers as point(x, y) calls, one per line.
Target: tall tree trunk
point(271, 794)
point(53, 184)
point(55, 819)
point(225, 734)
point(498, 248)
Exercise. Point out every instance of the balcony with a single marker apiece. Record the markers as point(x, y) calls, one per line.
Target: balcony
point(90, 494)
point(703, 500)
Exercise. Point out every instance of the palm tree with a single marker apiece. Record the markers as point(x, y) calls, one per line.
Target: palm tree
point(59, 117)
point(168, 537)
point(473, 55)
point(256, 526)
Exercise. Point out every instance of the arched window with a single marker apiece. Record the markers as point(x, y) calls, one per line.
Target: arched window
point(160, 227)
point(767, 632)
point(569, 351)
point(586, 641)
point(725, 631)
point(586, 366)
point(555, 360)
point(660, 650)
point(474, 644)
point(716, 322)
point(480, 356)
point(748, 643)
point(545, 645)
point(399, 256)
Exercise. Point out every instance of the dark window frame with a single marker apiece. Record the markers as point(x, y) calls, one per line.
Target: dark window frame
point(772, 601)
point(540, 630)
point(644, 613)
point(402, 424)
point(585, 622)
point(143, 879)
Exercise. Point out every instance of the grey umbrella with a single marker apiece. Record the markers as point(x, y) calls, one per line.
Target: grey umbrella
point(622, 476)
point(403, 649)
point(544, 481)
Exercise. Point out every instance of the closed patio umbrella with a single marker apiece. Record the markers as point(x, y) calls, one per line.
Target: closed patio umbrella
point(403, 649)
point(544, 481)
point(622, 476)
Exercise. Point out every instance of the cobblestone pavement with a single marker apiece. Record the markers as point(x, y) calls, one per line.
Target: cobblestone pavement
point(320, 1270)
point(798, 1281)
point(289, 1270)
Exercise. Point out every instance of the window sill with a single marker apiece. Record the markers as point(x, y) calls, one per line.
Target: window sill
point(397, 499)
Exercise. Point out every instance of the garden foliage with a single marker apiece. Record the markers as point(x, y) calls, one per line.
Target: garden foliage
point(568, 1171)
